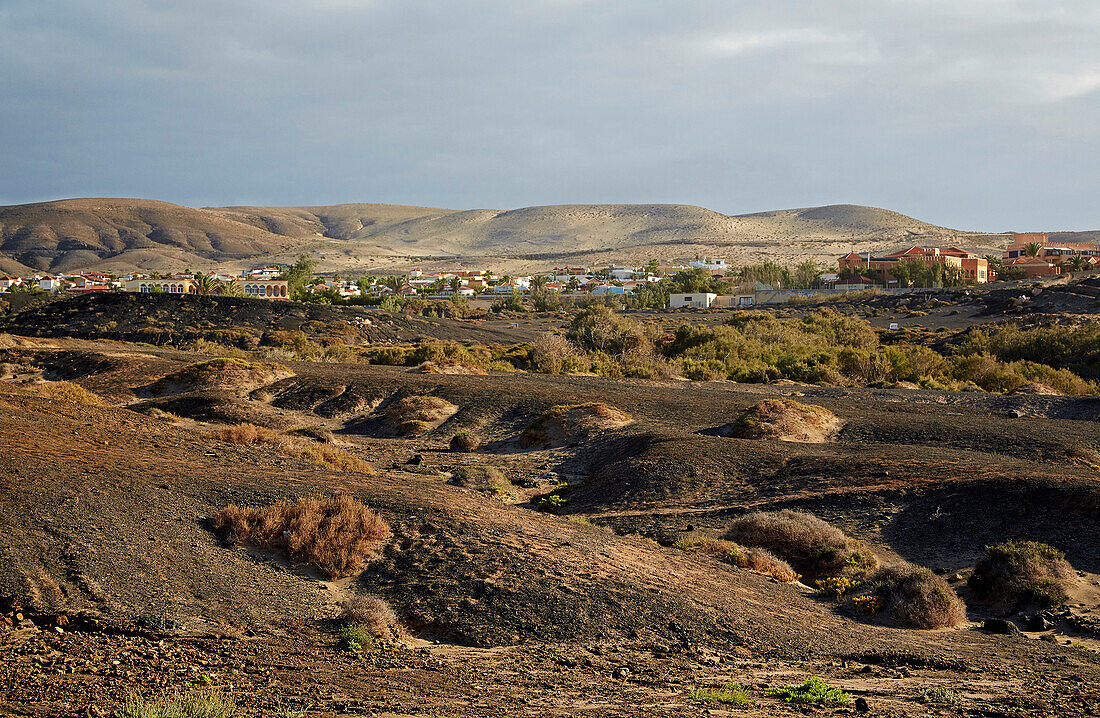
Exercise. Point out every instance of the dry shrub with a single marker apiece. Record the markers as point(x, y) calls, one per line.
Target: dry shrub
point(763, 561)
point(328, 456)
point(786, 420)
point(813, 547)
point(753, 559)
point(373, 614)
point(1021, 573)
point(916, 597)
point(65, 391)
point(244, 434)
point(337, 535)
point(465, 442)
point(554, 354)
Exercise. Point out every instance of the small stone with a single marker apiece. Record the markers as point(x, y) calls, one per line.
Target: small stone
point(1001, 625)
point(861, 706)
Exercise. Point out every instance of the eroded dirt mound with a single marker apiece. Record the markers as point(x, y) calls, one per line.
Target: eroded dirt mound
point(416, 415)
point(223, 374)
point(785, 420)
point(568, 423)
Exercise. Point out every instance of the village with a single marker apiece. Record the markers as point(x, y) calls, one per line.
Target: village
point(707, 282)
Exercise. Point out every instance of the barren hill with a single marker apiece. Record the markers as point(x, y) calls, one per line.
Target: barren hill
point(125, 234)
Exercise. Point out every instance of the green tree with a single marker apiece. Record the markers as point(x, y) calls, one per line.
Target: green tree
point(205, 284)
point(806, 275)
point(455, 284)
point(573, 284)
point(1032, 249)
point(299, 275)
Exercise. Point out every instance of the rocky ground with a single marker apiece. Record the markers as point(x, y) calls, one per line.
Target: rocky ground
point(113, 581)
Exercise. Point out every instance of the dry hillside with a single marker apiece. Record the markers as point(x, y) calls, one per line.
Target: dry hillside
point(126, 234)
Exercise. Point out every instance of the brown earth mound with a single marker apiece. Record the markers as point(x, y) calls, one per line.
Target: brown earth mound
point(220, 374)
point(416, 415)
point(785, 420)
point(568, 423)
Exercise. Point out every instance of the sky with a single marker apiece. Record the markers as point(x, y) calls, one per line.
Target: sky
point(972, 114)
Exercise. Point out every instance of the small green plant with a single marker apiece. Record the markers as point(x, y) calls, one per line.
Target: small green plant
point(355, 638)
point(1078, 645)
point(939, 695)
point(1048, 638)
point(203, 704)
point(836, 586)
point(731, 693)
point(868, 605)
point(551, 503)
point(815, 690)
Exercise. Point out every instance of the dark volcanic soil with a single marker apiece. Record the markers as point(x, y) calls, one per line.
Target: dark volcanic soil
point(508, 611)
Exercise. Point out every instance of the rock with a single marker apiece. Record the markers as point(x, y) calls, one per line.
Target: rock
point(416, 460)
point(1038, 622)
point(621, 673)
point(861, 706)
point(675, 626)
point(1001, 625)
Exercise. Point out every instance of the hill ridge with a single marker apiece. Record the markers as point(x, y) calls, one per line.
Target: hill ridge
point(125, 234)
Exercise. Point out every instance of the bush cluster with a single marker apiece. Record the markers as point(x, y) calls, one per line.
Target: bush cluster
point(336, 535)
point(814, 548)
point(1022, 572)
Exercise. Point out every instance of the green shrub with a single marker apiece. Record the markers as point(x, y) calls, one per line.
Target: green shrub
point(204, 704)
point(731, 693)
point(354, 637)
point(939, 695)
point(1022, 572)
point(815, 690)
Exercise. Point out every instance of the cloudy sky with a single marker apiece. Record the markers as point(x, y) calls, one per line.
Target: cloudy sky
point(976, 114)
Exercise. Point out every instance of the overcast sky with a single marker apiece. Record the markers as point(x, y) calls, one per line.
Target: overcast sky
point(975, 114)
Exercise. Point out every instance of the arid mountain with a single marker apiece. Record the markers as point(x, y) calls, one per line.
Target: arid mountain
point(124, 234)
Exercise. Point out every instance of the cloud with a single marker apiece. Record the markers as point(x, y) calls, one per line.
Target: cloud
point(975, 114)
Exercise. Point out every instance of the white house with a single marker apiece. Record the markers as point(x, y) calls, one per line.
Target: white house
point(696, 300)
point(51, 284)
point(716, 264)
point(7, 283)
point(621, 273)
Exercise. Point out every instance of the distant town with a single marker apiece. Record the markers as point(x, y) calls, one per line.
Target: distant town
point(701, 283)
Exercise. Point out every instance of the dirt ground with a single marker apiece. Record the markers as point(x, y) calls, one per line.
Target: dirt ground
point(124, 588)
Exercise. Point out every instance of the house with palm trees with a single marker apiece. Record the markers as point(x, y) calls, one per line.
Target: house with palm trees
point(1031, 250)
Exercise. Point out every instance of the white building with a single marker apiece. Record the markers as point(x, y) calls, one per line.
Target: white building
point(696, 300)
point(621, 273)
point(716, 264)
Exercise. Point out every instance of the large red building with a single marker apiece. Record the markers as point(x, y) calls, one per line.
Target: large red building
point(973, 269)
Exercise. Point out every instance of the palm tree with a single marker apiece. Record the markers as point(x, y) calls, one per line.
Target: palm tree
point(455, 284)
point(394, 282)
point(1032, 249)
point(205, 284)
point(232, 288)
point(573, 284)
point(537, 283)
point(1077, 263)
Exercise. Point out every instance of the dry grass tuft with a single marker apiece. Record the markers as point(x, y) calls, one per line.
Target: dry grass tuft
point(337, 535)
point(916, 597)
point(324, 455)
point(243, 434)
point(64, 391)
point(1022, 572)
point(373, 614)
point(813, 547)
point(786, 420)
point(754, 559)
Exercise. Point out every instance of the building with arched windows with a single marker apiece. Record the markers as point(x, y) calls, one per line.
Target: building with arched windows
point(265, 288)
point(172, 285)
